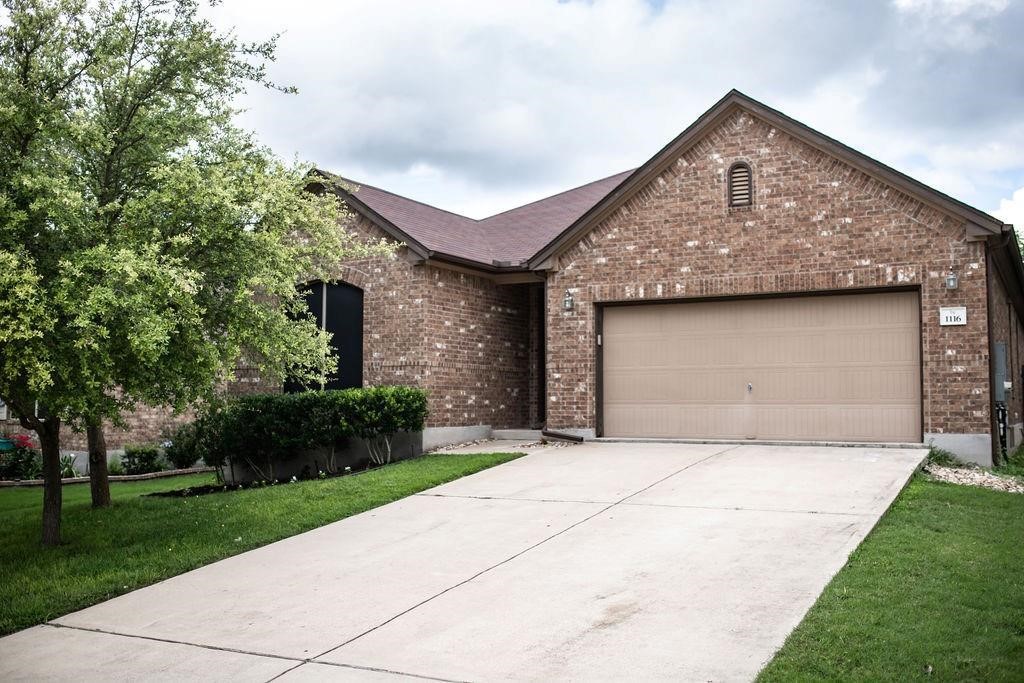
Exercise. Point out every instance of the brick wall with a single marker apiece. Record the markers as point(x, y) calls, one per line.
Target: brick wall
point(461, 337)
point(144, 425)
point(1007, 327)
point(816, 224)
point(478, 351)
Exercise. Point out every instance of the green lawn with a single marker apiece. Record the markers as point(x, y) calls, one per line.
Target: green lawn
point(939, 583)
point(141, 540)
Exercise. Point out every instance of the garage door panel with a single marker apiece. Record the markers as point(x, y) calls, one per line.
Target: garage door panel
point(834, 368)
point(654, 420)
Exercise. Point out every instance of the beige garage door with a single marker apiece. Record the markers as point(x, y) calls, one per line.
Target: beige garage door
point(842, 368)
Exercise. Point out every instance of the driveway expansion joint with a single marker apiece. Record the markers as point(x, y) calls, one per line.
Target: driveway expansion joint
point(218, 648)
point(299, 661)
point(525, 550)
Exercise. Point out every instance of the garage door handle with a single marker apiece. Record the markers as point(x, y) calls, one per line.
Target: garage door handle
point(750, 387)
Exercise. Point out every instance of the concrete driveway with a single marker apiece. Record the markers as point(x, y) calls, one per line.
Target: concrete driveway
point(604, 561)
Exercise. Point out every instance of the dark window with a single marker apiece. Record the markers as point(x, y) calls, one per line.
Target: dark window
point(741, 185)
point(337, 308)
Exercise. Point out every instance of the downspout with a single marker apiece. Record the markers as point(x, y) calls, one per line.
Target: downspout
point(543, 416)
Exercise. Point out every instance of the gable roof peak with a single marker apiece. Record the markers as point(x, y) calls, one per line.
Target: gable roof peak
point(718, 111)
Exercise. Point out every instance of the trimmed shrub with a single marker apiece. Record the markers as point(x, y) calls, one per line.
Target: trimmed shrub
point(378, 415)
point(115, 467)
point(141, 459)
point(180, 448)
point(263, 429)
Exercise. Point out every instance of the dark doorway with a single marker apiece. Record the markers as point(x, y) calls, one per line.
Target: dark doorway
point(337, 308)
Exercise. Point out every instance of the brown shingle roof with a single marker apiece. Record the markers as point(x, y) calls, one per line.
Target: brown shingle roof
point(508, 238)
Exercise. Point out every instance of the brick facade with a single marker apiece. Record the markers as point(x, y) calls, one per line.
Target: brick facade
point(1008, 328)
point(478, 351)
point(817, 224)
point(461, 337)
point(144, 425)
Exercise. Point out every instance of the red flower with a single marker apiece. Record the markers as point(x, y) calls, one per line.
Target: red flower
point(23, 441)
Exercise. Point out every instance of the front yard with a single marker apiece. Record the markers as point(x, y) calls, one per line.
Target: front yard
point(141, 540)
point(935, 592)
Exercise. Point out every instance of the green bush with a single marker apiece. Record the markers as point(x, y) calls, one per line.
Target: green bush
point(268, 428)
point(180, 448)
point(24, 462)
point(141, 459)
point(378, 414)
point(115, 467)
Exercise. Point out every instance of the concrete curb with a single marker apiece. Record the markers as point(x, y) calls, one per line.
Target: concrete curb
point(113, 477)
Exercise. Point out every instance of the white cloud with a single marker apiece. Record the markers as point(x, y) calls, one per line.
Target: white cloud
point(479, 106)
point(1012, 210)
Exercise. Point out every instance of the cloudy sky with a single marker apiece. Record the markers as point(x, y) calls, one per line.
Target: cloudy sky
point(479, 106)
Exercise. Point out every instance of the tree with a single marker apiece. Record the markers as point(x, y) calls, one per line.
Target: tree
point(147, 245)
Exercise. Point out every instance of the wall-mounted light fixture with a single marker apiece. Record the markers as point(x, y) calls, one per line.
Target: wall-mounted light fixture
point(952, 282)
point(567, 301)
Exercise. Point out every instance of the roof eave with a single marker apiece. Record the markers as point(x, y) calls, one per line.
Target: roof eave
point(660, 161)
point(363, 209)
point(1006, 253)
point(477, 265)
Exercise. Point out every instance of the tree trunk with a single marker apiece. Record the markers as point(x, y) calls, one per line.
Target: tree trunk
point(49, 442)
point(99, 482)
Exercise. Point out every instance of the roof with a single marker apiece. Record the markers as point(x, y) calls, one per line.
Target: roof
point(505, 239)
point(716, 114)
point(525, 237)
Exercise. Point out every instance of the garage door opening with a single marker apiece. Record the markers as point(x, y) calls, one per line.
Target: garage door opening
point(830, 368)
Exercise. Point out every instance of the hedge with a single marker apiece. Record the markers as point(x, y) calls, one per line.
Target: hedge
point(267, 428)
point(142, 458)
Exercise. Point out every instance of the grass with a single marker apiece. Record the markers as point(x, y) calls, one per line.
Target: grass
point(1014, 465)
point(935, 592)
point(942, 457)
point(141, 540)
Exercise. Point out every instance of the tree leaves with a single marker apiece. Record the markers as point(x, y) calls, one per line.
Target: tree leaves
point(146, 243)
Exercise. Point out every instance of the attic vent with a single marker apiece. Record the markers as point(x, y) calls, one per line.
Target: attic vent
point(741, 185)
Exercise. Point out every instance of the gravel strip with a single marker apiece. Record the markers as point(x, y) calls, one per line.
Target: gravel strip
point(553, 443)
point(456, 446)
point(973, 476)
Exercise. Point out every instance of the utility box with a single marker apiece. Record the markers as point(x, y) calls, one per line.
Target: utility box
point(1000, 373)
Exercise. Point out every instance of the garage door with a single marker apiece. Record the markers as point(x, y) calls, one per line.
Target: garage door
point(840, 368)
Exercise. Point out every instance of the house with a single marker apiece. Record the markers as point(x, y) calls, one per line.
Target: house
point(755, 279)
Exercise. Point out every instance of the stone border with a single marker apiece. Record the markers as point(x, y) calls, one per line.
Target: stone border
point(113, 477)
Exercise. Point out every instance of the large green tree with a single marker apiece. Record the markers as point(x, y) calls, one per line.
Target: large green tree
point(147, 245)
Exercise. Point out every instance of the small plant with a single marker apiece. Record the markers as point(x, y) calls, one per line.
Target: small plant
point(67, 467)
point(180, 447)
point(943, 458)
point(142, 459)
point(115, 467)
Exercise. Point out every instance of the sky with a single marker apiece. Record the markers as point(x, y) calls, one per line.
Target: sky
point(480, 106)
